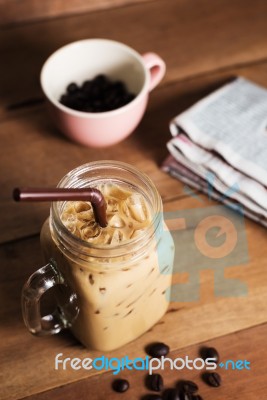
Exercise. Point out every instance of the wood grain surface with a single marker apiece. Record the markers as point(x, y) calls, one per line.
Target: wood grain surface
point(236, 384)
point(203, 46)
point(192, 39)
point(184, 324)
point(17, 11)
point(32, 143)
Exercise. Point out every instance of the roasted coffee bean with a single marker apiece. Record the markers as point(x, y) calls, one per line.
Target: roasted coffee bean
point(154, 382)
point(72, 88)
point(102, 81)
point(96, 95)
point(95, 91)
point(128, 98)
point(171, 394)
point(120, 385)
point(212, 379)
point(64, 98)
point(210, 352)
point(185, 396)
point(158, 350)
point(189, 387)
point(119, 87)
point(86, 86)
point(196, 397)
point(152, 397)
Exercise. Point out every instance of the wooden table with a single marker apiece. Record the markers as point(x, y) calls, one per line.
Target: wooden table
point(203, 43)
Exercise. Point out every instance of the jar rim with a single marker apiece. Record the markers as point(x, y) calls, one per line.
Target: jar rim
point(71, 179)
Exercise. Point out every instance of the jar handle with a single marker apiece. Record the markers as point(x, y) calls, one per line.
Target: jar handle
point(37, 284)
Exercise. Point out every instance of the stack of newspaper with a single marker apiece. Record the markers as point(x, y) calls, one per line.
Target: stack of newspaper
point(219, 146)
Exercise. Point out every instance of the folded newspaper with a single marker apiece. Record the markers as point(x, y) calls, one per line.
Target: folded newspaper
point(219, 146)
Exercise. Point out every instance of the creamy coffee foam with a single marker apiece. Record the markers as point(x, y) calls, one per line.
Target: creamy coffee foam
point(128, 215)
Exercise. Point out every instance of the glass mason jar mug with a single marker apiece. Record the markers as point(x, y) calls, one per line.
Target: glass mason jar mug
point(115, 291)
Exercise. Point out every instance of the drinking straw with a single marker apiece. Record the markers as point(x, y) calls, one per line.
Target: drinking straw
point(93, 195)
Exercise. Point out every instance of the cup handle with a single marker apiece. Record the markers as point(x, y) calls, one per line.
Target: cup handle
point(37, 284)
point(156, 67)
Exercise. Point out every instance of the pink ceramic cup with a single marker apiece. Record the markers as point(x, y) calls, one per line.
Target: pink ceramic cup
point(83, 60)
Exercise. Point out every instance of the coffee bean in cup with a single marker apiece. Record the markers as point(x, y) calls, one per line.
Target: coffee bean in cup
point(99, 94)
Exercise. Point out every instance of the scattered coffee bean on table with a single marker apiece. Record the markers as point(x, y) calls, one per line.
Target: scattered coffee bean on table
point(171, 394)
point(209, 352)
point(158, 350)
point(189, 396)
point(97, 95)
point(212, 379)
point(152, 397)
point(154, 382)
point(196, 397)
point(186, 396)
point(120, 385)
point(189, 386)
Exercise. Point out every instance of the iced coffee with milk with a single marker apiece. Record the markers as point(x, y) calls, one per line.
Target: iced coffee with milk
point(121, 273)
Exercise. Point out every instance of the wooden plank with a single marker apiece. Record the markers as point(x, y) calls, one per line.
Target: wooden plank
point(185, 324)
point(36, 154)
point(236, 384)
point(191, 39)
point(44, 156)
point(16, 11)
